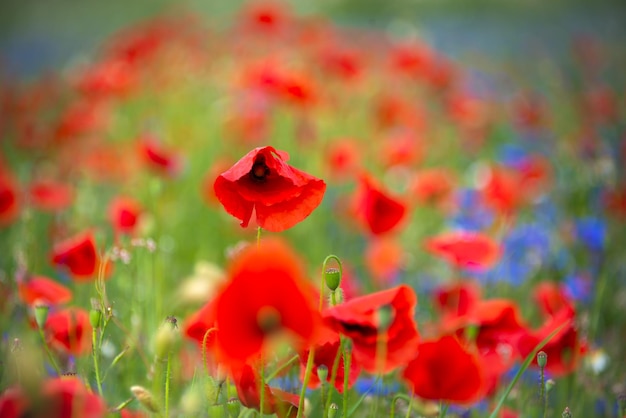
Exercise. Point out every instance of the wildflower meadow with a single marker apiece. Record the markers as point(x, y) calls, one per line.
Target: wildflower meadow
point(286, 216)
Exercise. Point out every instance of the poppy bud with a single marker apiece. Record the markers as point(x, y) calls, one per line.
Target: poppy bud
point(566, 413)
point(542, 359)
point(165, 339)
point(332, 410)
point(322, 373)
point(234, 407)
point(332, 276)
point(549, 385)
point(191, 402)
point(145, 398)
point(95, 316)
point(41, 315)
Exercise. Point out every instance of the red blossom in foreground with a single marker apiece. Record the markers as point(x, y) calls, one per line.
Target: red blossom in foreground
point(262, 182)
point(9, 203)
point(266, 296)
point(275, 401)
point(463, 249)
point(379, 211)
point(198, 325)
point(359, 320)
point(444, 370)
point(79, 255)
point(50, 195)
point(124, 214)
point(69, 330)
point(40, 289)
point(326, 349)
point(63, 397)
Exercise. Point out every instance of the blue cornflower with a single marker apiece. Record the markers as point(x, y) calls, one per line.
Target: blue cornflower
point(592, 232)
point(472, 213)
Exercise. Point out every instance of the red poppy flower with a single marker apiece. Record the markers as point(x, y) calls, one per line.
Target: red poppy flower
point(444, 370)
point(552, 299)
point(359, 320)
point(326, 349)
point(380, 212)
point(79, 255)
point(267, 295)
point(502, 190)
point(50, 195)
point(433, 185)
point(266, 17)
point(9, 204)
point(158, 157)
point(113, 77)
point(342, 63)
point(401, 147)
point(384, 257)
point(276, 401)
point(262, 182)
point(124, 214)
point(81, 118)
point(413, 60)
point(69, 330)
point(201, 321)
point(207, 190)
point(343, 157)
point(40, 289)
point(456, 299)
point(63, 397)
point(464, 249)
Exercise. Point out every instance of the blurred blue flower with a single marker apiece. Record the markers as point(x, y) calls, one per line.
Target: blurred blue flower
point(579, 287)
point(375, 386)
point(472, 214)
point(592, 232)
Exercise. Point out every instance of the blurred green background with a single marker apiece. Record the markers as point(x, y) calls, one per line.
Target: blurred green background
point(38, 35)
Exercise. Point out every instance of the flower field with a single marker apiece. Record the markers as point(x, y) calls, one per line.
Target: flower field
point(289, 217)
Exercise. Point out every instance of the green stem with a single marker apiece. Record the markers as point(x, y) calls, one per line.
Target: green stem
point(258, 236)
point(542, 390)
point(168, 371)
point(333, 375)
point(95, 349)
point(305, 381)
point(347, 357)
point(443, 409)
point(48, 352)
point(282, 367)
point(262, 385)
point(393, 403)
point(204, 342)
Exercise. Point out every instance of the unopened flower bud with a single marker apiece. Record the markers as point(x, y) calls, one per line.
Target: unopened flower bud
point(549, 385)
point(191, 402)
point(542, 359)
point(322, 373)
point(95, 316)
point(332, 410)
point(165, 339)
point(145, 398)
point(566, 413)
point(332, 276)
point(41, 315)
point(234, 407)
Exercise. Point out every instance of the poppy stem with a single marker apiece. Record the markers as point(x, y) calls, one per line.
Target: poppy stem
point(443, 409)
point(168, 372)
point(283, 367)
point(393, 403)
point(258, 236)
point(48, 352)
point(95, 349)
point(333, 375)
point(347, 357)
point(305, 381)
point(204, 343)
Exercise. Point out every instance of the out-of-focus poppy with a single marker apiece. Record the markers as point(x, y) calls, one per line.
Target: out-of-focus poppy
point(401, 147)
point(342, 63)
point(275, 401)
point(379, 211)
point(343, 157)
point(124, 214)
point(464, 249)
point(412, 60)
point(199, 323)
point(326, 350)
point(384, 257)
point(81, 118)
point(79, 255)
point(444, 370)
point(502, 190)
point(113, 77)
point(433, 186)
point(50, 195)
point(41, 289)
point(69, 330)
point(267, 17)
point(266, 296)
point(9, 203)
point(158, 157)
point(552, 299)
point(262, 182)
point(62, 397)
point(361, 319)
point(456, 299)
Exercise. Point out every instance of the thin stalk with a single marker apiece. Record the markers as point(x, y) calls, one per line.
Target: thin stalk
point(443, 409)
point(393, 403)
point(283, 367)
point(347, 357)
point(95, 349)
point(258, 236)
point(48, 352)
point(168, 372)
point(305, 381)
point(262, 384)
point(333, 375)
point(542, 391)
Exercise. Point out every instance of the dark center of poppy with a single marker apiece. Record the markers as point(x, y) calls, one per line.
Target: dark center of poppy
point(269, 320)
point(260, 170)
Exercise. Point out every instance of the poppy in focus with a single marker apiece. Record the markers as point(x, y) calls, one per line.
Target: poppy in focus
point(267, 296)
point(262, 182)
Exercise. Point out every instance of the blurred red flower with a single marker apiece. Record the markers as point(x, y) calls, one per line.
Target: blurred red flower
point(50, 195)
point(433, 185)
point(384, 257)
point(262, 182)
point(456, 299)
point(9, 203)
point(444, 370)
point(552, 299)
point(124, 213)
point(276, 401)
point(79, 255)
point(266, 295)
point(343, 157)
point(464, 249)
point(326, 349)
point(379, 211)
point(157, 156)
point(63, 397)
point(69, 330)
point(41, 289)
point(360, 320)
